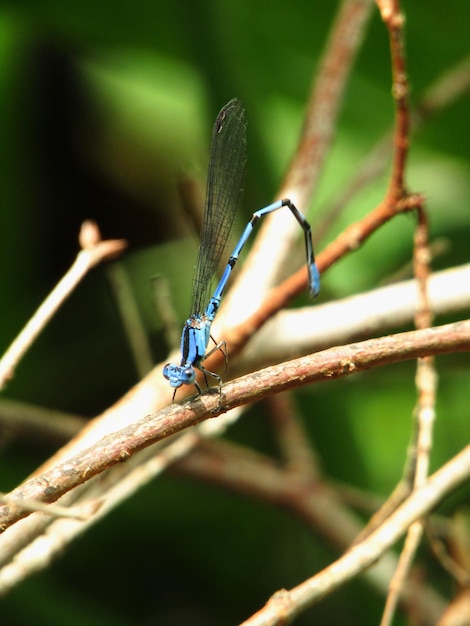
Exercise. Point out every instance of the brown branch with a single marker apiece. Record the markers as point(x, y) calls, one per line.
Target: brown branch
point(424, 417)
point(394, 20)
point(309, 496)
point(425, 378)
point(333, 363)
point(285, 605)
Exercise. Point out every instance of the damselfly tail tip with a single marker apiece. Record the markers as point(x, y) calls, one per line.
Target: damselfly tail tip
point(314, 281)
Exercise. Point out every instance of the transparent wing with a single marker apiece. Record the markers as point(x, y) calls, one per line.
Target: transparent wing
point(223, 197)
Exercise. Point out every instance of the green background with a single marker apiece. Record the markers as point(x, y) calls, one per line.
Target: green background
point(103, 107)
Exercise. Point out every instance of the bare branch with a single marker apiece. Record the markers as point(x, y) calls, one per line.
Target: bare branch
point(287, 604)
point(333, 363)
point(93, 251)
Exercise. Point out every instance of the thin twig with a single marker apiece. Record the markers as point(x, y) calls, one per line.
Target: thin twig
point(93, 252)
point(312, 498)
point(53, 510)
point(393, 18)
point(448, 88)
point(285, 605)
point(420, 449)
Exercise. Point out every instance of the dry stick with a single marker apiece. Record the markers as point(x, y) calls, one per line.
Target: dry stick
point(311, 499)
point(390, 12)
point(426, 377)
point(54, 510)
point(285, 605)
point(420, 449)
point(333, 363)
point(93, 252)
point(19, 557)
point(394, 20)
point(396, 198)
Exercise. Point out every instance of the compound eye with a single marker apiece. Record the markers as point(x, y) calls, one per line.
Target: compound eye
point(188, 376)
point(166, 371)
